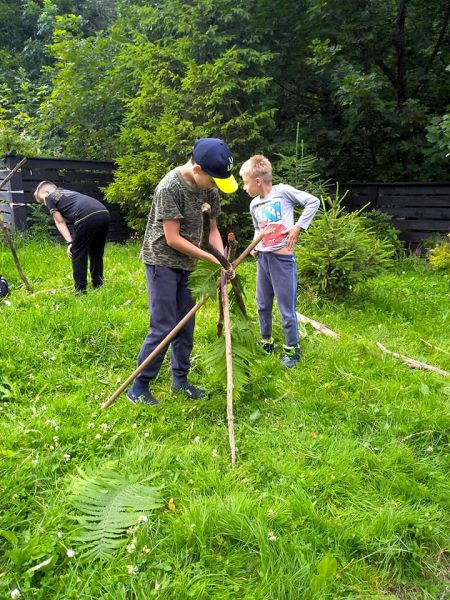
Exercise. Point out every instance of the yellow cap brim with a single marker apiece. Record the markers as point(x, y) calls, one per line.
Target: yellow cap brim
point(228, 185)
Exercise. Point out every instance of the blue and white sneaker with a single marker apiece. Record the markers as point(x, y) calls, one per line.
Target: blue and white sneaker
point(194, 393)
point(138, 394)
point(291, 356)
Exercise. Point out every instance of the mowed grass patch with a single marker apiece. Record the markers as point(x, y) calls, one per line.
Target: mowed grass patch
point(341, 486)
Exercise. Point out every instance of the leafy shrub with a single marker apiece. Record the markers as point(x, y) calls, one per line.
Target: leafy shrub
point(439, 256)
point(340, 250)
point(380, 224)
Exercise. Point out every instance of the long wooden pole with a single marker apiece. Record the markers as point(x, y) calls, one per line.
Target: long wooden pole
point(176, 329)
point(7, 234)
point(229, 363)
point(13, 172)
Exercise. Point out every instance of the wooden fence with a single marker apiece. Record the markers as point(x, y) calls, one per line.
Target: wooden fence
point(418, 210)
point(85, 176)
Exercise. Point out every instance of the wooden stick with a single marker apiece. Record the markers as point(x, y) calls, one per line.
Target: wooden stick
point(229, 362)
point(156, 351)
point(252, 246)
point(173, 333)
point(9, 240)
point(13, 172)
point(55, 291)
point(433, 346)
point(319, 326)
point(7, 235)
point(411, 362)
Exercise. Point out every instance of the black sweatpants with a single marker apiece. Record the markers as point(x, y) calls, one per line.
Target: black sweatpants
point(89, 241)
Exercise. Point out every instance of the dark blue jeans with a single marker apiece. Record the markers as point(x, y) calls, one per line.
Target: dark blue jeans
point(277, 277)
point(169, 300)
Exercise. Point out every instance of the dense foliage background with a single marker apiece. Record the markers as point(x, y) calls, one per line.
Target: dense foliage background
point(137, 81)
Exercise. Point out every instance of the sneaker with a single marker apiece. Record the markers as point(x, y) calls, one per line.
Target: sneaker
point(291, 356)
point(141, 395)
point(267, 345)
point(193, 392)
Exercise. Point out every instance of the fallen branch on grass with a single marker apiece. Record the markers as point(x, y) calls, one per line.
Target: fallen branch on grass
point(54, 291)
point(319, 326)
point(433, 346)
point(411, 362)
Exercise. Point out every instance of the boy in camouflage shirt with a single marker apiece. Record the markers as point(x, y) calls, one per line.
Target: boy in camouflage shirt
point(169, 252)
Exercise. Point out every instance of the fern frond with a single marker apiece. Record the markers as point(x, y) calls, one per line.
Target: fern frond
point(245, 352)
point(203, 279)
point(109, 504)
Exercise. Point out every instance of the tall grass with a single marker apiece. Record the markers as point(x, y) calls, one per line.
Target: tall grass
point(341, 488)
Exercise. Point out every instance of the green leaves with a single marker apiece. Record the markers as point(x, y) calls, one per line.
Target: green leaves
point(108, 504)
point(339, 250)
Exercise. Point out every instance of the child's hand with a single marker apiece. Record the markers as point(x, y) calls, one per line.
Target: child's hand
point(69, 250)
point(292, 237)
point(254, 253)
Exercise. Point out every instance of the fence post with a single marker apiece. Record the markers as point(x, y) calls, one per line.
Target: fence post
point(18, 212)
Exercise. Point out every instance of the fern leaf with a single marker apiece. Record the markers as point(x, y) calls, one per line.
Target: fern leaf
point(203, 279)
point(108, 504)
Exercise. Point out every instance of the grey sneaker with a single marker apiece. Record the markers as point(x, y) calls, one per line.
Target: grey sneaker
point(291, 356)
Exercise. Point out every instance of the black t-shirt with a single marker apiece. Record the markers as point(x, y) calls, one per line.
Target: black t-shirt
point(72, 205)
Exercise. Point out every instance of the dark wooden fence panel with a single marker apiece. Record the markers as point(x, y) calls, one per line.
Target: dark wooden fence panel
point(418, 210)
point(85, 176)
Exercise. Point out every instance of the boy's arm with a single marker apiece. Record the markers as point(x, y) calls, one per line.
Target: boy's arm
point(308, 201)
point(181, 244)
point(215, 238)
point(61, 226)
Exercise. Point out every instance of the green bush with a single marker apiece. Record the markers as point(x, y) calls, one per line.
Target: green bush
point(340, 250)
point(439, 256)
point(380, 224)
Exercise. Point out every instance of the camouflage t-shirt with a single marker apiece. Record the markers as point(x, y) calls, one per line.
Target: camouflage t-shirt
point(175, 200)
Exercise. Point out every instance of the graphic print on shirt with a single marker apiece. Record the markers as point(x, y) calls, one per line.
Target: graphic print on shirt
point(270, 214)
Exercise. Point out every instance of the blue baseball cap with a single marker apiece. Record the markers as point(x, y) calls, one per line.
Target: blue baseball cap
point(215, 158)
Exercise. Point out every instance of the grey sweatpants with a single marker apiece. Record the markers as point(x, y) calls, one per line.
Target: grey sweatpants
point(277, 277)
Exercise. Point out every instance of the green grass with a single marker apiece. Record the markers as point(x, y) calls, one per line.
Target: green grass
point(341, 487)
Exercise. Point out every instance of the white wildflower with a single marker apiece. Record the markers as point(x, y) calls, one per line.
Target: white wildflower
point(214, 453)
point(146, 550)
point(430, 449)
point(132, 570)
point(56, 439)
point(70, 553)
point(51, 447)
point(197, 439)
point(98, 436)
point(67, 457)
point(132, 530)
point(34, 411)
point(16, 593)
point(90, 425)
point(59, 534)
point(146, 434)
point(192, 526)
point(131, 548)
point(135, 425)
point(104, 426)
point(142, 519)
point(34, 461)
point(270, 512)
point(272, 537)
